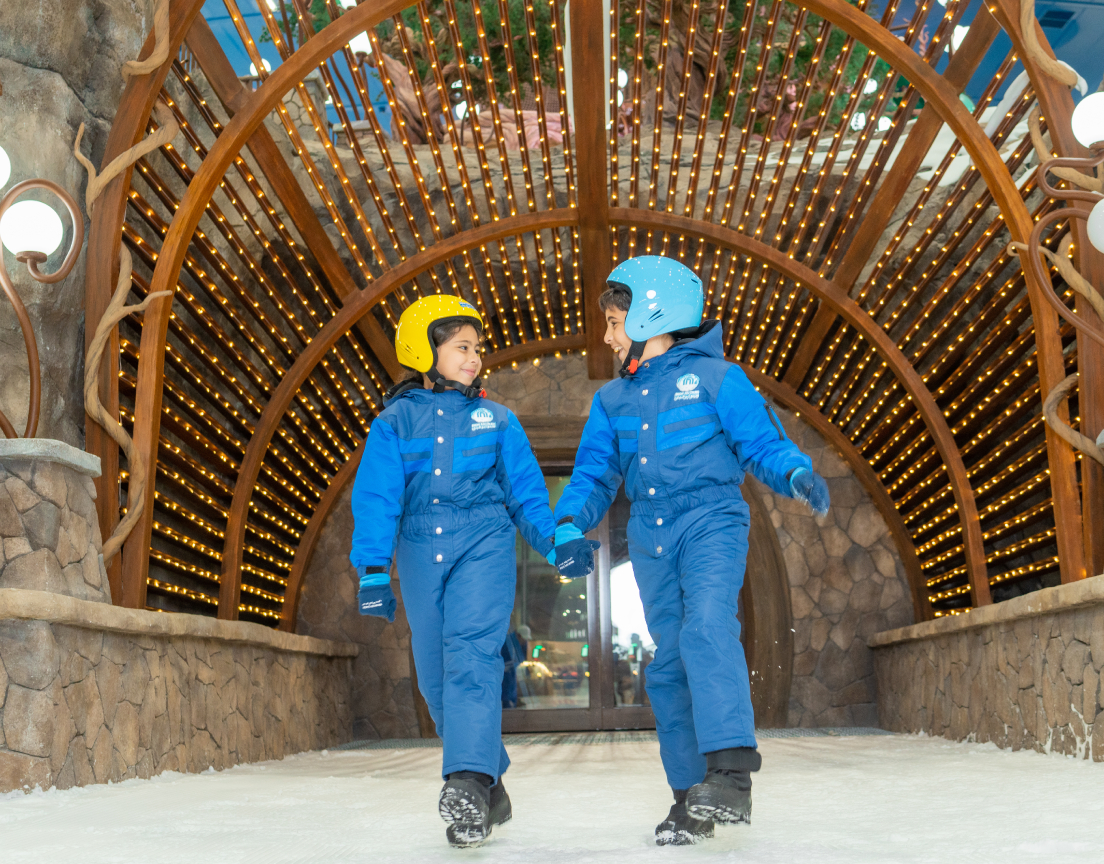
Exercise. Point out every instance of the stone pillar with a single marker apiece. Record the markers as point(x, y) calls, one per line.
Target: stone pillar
point(48, 523)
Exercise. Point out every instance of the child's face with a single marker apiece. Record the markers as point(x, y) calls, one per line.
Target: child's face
point(615, 332)
point(458, 359)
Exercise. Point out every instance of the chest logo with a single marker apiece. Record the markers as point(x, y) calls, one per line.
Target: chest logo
point(482, 419)
point(688, 387)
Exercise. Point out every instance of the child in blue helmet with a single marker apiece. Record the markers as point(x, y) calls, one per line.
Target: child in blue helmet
point(681, 426)
point(445, 476)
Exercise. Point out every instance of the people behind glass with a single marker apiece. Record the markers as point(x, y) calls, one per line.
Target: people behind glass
point(630, 675)
point(515, 650)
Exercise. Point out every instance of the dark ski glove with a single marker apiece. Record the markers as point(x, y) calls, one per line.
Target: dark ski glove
point(809, 488)
point(375, 596)
point(574, 554)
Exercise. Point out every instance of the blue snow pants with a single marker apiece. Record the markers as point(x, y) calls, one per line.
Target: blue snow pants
point(689, 560)
point(458, 575)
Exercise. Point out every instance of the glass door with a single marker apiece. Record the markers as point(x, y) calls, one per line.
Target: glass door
point(553, 680)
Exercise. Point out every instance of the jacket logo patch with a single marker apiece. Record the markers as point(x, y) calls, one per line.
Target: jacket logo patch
point(483, 419)
point(688, 387)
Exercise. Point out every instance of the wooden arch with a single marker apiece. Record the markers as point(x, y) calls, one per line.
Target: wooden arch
point(837, 323)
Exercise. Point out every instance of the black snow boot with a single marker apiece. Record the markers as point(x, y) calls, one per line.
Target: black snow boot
point(725, 794)
point(465, 806)
point(680, 828)
point(501, 811)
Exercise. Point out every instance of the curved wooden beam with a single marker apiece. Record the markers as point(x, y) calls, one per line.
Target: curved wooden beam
point(149, 385)
point(785, 395)
point(356, 307)
point(102, 264)
point(309, 539)
point(858, 318)
point(938, 92)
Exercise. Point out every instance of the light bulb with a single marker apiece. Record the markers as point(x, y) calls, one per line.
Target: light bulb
point(31, 226)
point(1087, 121)
point(1096, 225)
point(5, 168)
point(253, 67)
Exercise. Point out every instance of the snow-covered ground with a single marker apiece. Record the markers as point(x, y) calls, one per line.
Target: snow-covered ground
point(817, 801)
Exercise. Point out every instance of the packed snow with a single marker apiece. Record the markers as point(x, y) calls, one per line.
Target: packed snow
point(818, 800)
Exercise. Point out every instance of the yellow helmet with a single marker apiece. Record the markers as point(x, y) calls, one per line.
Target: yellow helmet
point(413, 344)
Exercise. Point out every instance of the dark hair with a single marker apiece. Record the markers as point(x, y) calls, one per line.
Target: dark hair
point(617, 295)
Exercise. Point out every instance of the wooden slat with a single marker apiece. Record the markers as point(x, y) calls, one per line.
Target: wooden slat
point(961, 68)
point(233, 95)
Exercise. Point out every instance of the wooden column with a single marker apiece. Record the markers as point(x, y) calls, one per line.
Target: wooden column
point(589, 74)
point(1080, 543)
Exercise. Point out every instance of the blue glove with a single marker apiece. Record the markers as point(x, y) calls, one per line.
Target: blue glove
point(574, 554)
point(375, 596)
point(808, 487)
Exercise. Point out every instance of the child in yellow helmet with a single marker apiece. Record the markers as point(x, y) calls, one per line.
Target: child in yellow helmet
point(446, 475)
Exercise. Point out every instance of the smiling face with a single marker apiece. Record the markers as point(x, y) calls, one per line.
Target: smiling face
point(616, 337)
point(458, 356)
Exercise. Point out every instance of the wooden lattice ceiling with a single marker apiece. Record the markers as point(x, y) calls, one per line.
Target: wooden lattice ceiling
point(858, 262)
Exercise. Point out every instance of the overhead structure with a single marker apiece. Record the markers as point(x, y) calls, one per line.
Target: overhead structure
point(814, 162)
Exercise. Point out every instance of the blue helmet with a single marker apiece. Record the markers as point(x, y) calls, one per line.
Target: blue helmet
point(666, 296)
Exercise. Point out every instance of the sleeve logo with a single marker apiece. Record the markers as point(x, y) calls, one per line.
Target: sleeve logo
point(688, 387)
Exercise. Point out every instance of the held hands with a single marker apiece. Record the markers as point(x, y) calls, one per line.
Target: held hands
point(809, 488)
point(375, 596)
point(574, 554)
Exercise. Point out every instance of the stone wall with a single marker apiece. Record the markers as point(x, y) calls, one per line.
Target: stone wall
point(1023, 674)
point(382, 694)
point(48, 523)
point(846, 584)
point(91, 693)
point(59, 67)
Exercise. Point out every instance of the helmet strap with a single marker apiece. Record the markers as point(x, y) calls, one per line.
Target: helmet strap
point(441, 384)
point(632, 360)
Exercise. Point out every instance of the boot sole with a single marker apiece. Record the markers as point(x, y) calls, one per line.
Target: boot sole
point(720, 814)
point(468, 821)
point(680, 837)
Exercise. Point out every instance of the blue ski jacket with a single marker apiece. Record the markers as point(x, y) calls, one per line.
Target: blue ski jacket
point(688, 424)
point(433, 454)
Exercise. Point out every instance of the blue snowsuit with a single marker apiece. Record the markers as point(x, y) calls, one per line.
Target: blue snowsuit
point(444, 475)
point(681, 433)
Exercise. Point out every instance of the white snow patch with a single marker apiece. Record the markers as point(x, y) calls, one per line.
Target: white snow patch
point(859, 800)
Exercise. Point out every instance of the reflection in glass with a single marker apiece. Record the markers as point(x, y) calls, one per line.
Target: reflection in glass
point(633, 646)
point(546, 652)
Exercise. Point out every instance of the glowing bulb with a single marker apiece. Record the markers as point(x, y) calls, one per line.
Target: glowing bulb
point(1096, 225)
point(253, 67)
point(31, 226)
point(1087, 121)
point(5, 168)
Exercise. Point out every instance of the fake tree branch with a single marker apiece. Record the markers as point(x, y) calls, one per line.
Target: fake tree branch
point(116, 311)
point(160, 51)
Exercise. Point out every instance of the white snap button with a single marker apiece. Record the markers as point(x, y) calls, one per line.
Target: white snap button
point(658, 522)
point(440, 440)
point(645, 392)
point(436, 501)
point(440, 557)
point(439, 528)
point(439, 411)
point(645, 425)
point(659, 549)
point(643, 461)
point(437, 471)
point(651, 491)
